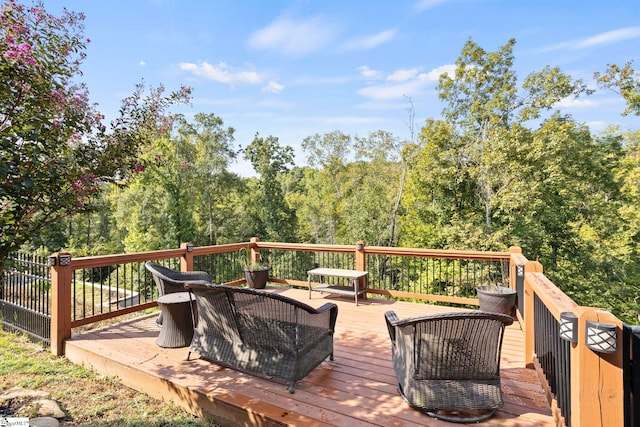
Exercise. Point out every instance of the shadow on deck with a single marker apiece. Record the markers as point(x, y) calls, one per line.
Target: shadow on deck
point(358, 388)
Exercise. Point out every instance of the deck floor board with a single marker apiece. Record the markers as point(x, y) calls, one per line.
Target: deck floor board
point(358, 388)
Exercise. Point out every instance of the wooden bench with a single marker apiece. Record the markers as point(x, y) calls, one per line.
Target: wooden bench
point(354, 275)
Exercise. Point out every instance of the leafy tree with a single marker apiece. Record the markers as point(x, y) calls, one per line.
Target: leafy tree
point(626, 82)
point(55, 154)
point(275, 220)
point(177, 196)
point(373, 190)
point(470, 158)
point(213, 151)
point(350, 191)
point(569, 186)
point(325, 185)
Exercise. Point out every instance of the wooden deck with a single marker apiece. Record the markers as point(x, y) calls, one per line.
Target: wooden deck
point(358, 388)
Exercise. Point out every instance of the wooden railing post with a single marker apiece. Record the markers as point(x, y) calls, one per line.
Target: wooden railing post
point(517, 262)
point(255, 251)
point(61, 273)
point(597, 385)
point(186, 260)
point(529, 315)
point(514, 251)
point(361, 262)
point(361, 259)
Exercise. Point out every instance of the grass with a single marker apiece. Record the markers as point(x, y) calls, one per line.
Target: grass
point(87, 398)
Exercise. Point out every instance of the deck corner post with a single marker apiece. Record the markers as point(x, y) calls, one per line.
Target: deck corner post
point(597, 383)
point(61, 273)
point(186, 260)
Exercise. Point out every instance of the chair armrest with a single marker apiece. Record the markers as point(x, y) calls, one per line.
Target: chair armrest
point(195, 275)
point(392, 320)
point(334, 313)
point(197, 282)
point(326, 307)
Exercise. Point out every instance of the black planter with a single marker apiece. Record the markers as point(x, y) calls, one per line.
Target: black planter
point(256, 279)
point(497, 299)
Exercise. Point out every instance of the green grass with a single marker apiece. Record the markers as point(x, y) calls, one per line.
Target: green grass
point(87, 398)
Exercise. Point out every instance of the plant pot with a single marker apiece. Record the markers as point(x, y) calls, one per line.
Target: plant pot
point(496, 299)
point(256, 279)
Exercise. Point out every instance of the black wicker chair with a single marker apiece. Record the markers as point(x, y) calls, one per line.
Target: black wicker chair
point(170, 281)
point(448, 365)
point(261, 332)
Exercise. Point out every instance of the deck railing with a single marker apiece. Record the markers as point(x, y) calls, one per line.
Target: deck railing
point(584, 387)
point(25, 296)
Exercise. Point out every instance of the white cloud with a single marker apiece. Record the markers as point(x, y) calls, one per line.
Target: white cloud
point(434, 75)
point(606, 38)
point(221, 73)
point(294, 37)
point(610, 37)
point(273, 87)
point(142, 63)
point(404, 82)
point(368, 73)
point(572, 102)
point(403, 75)
point(369, 42)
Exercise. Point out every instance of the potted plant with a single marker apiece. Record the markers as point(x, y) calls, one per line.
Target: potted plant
point(255, 273)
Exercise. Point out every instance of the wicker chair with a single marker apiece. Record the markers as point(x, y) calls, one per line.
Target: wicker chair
point(170, 281)
point(261, 332)
point(448, 365)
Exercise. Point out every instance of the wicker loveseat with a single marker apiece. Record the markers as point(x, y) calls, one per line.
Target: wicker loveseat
point(261, 332)
point(448, 364)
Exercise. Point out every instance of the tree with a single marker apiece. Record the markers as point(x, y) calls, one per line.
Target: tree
point(351, 191)
point(213, 151)
point(177, 197)
point(55, 154)
point(372, 190)
point(275, 220)
point(325, 185)
point(626, 82)
point(469, 159)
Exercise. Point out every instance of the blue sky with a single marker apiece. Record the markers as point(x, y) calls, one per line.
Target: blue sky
point(295, 68)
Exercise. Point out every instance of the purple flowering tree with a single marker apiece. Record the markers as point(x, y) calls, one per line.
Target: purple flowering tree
point(55, 153)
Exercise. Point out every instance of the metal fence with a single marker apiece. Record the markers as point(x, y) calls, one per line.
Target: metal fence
point(99, 290)
point(554, 357)
point(631, 374)
point(25, 297)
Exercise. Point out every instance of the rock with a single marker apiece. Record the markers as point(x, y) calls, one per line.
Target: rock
point(49, 408)
point(19, 392)
point(43, 422)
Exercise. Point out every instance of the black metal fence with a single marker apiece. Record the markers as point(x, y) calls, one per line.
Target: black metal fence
point(554, 356)
point(25, 296)
point(631, 374)
point(402, 273)
point(294, 264)
point(435, 276)
point(223, 267)
point(100, 290)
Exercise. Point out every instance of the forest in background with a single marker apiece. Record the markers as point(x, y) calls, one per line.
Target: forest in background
point(501, 167)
